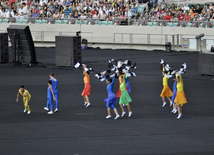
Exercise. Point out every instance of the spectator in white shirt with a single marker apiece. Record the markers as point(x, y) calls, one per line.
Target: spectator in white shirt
point(10, 12)
point(185, 7)
point(42, 1)
point(108, 10)
point(3, 14)
point(21, 9)
point(22, 16)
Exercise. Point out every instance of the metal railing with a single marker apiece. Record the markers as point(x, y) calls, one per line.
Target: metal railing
point(148, 38)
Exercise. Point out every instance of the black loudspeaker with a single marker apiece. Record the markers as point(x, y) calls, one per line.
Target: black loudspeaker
point(206, 63)
point(22, 44)
point(4, 54)
point(212, 49)
point(68, 50)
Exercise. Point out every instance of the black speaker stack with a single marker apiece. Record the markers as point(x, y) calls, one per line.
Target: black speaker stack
point(22, 44)
point(206, 63)
point(4, 54)
point(68, 50)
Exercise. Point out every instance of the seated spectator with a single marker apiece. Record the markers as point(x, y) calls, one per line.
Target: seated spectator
point(116, 12)
point(208, 23)
point(173, 7)
point(3, 13)
point(123, 18)
point(165, 7)
point(192, 9)
point(142, 21)
point(49, 14)
point(81, 10)
point(109, 17)
point(61, 15)
point(50, 20)
point(161, 22)
point(51, 7)
point(10, 12)
point(201, 17)
point(185, 7)
point(198, 9)
point(178, 8)
point(16, 15)
point(108, 10)
point(211, 6)
point(11, 19)
point(173, 19)
point(56, 15)
point(96, 16)
point(195, 22)
point(76, 17)
point(90, 20)
point(167, 17)
point(154, 18)
point(83, 17)
point(71, 20)
point(43, 15)
point(94, 10)
point(31, 19)
point(116, 20)
point(193, 14)
point(103, 16)
point(159, 12)
point(21, 16)
point(134, 11)
point(67, 11)
point(182, 22)
point(147, 17)
point(173, 12)
point(180, 15)
point(128, 12)
point(210, 13)
point(187, 17)
point(35, 10)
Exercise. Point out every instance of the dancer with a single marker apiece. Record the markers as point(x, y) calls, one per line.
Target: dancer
point(174, 110)
point(112, 99)
point(87, 89)
point(50, 97)
point(124, 98)
point(55, 90)
point(26, 98)
point(166, 92)
point(180, 97)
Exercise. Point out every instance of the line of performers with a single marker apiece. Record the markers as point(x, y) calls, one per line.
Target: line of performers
point(121, 70)
point(178, 96)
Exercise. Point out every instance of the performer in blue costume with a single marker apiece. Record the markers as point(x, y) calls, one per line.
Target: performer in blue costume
point(128, 85)
point(174, 94)
point(112, 99)
point(50, 97)
point(55, 90)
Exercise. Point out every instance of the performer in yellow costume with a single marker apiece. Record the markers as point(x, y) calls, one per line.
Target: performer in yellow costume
point(166, 92)
point(26, 98)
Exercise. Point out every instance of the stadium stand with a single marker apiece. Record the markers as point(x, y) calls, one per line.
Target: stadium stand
point(169, 13)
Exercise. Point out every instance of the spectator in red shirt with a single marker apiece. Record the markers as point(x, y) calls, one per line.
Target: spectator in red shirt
point(35, 10)
point(187, 17)
point(94, 11)
point(180, 15)
point(167, 17)
point(29, 3)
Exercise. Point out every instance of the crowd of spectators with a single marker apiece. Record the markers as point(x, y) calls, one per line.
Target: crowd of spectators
point(181, 15)
point(120, 12)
